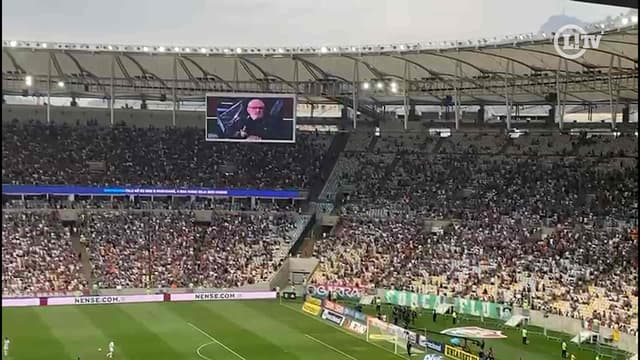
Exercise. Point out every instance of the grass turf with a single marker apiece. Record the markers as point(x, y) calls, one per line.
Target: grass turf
point(539, 347)
point(220, 330)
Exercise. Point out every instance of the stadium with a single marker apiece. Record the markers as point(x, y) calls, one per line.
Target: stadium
point(467, 199)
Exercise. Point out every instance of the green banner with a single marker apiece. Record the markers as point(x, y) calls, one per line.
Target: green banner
point(460, 305)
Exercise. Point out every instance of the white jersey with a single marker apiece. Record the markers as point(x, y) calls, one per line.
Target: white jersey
point(112, 346)
point(6, 344)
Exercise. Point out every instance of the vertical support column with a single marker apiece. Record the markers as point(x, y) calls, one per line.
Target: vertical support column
point(617, 97)
point(563, 95)
point(296, 75)
point(49, 92)
point(456, 107)
point(111, 91)
point(616, 84)
point(407, 107)
point(405, 91)
point(559, 115)
point(354, 93)
point(456, 94)
point(235, 74)
point(507, 98)
point(610, 82)
point(507, 103)
point(174, 101)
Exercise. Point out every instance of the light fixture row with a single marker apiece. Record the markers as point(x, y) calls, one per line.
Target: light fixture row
point(380, 85)
point(28, 80)
point(620, 21)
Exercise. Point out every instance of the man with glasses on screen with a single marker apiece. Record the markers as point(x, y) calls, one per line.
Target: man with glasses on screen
point(255, 126)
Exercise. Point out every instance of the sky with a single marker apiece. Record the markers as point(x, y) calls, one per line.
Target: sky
point(281, 22)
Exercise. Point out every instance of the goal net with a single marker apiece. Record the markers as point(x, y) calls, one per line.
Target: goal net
point(385, 335)
point(389, 336)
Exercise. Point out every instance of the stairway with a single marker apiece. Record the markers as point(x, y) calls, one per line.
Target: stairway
point(328, 163)
point(438, 146)
point(504, 147)
point(80, 249)
point(575, 149)
point(372, 143)
point(391, 168)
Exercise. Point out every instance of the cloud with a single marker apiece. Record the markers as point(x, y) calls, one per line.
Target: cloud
point(282, 22)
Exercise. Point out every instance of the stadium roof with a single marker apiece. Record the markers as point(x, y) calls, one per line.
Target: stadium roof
point(526, 67)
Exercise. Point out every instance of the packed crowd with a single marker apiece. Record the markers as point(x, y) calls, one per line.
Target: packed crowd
point(177, 157)
point(132, 248)
point(530, 222)
point(526, 221)
point(171, 249)
point(37, 255)
point(493, 258)
point(460, 186)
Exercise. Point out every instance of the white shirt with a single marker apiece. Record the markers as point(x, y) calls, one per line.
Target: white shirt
point(111, 346)
point(6, 343)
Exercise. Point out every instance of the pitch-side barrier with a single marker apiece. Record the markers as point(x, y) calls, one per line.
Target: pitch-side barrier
point(128, 299)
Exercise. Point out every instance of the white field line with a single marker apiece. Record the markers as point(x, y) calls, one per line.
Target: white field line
point(216, 341)
point(341, 329)
point(331, 347)
point(200, 348)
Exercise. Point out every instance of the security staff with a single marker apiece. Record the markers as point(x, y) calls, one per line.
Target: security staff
point(564, 349)
point(455, 317)
point(435, 314)
point(524, 336)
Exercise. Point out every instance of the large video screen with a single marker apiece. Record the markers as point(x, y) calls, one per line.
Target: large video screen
point(237, 117)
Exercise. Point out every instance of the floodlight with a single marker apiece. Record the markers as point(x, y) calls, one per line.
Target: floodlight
point(379, 85)
point(365, 85)
point(634, 19)
point(13, 43)
point(60, 84)
point(161, 49)
point(28, 80)
point(44, 45)
point(625, 21)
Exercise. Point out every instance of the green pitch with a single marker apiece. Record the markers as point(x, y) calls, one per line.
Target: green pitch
point(237, 330)
point(540, 347)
